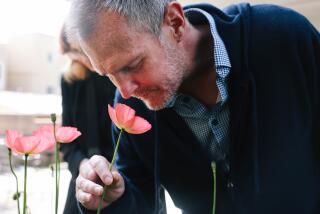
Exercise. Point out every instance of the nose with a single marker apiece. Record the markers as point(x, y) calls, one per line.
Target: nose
point(125, 84)
point(127, 88)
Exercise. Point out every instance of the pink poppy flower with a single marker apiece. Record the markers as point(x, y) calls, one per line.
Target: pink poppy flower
point(64, 134)
point(27, 145)
point(57, 135)
point(45, 133)
point(124, 117)
point(22, 144)
point(33, 144)
point(11, 136)
point(45, 144)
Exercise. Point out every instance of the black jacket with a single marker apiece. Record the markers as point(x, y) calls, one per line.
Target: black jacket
point(84, 105)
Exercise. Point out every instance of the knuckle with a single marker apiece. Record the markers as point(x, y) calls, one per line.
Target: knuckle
point(83, 168)
point(78, 181)
point(83, 198)
point(86, 198)
point(86, 187)
point(78, 196)
point(81, 184)
point(95, 159)
point(88, 173)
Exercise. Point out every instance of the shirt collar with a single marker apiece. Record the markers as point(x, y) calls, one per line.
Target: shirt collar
point(219, 50)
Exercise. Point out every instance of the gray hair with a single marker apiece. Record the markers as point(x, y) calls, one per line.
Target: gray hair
point(147, 14)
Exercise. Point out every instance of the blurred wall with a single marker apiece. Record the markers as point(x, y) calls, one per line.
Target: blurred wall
point(3, 66)
point(34, 64)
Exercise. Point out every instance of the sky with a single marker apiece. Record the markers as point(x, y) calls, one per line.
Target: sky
point(19, 17)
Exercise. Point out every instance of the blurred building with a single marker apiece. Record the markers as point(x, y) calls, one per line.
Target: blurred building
point(30, 71)
point(3, 66)
point(34, 64)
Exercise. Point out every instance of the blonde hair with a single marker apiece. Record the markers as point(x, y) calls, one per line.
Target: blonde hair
point(75, 70)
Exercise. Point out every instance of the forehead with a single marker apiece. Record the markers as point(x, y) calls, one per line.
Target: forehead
point(114, 42)
point(111, 35)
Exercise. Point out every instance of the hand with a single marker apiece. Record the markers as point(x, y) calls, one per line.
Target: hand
point(92, 173)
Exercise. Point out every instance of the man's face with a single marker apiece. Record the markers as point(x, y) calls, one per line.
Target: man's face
point(138, 63)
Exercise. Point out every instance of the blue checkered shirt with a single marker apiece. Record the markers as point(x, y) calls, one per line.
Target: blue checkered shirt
point(209, 126)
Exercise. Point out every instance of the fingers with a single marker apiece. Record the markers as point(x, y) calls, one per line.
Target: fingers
point(100, 166)
point(88, 186)
point(89, 201)
point(87, 171)
point(117, 187)
point(117, 179)
point(88, 192)
point(83, 197)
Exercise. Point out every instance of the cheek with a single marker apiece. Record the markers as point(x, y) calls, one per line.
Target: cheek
point(150, 77)
point(154, 72)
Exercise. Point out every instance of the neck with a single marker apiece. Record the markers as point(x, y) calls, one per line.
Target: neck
point(201, 83)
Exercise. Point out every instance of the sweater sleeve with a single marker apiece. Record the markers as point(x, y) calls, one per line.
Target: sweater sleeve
point(298, 43)
point(302, 42)
point(311, 62)
point(317, 91)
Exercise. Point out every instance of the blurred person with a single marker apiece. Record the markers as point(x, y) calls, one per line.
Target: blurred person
point(239, 87)
point(85, 97)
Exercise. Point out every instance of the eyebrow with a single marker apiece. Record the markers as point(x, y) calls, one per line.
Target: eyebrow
point(129, 63)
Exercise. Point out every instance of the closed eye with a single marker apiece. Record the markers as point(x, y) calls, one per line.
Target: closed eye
point(133, 66)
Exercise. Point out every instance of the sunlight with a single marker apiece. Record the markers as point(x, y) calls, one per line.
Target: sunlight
point(18, 17)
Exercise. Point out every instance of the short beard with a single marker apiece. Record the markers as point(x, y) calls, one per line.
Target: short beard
point(177, 71)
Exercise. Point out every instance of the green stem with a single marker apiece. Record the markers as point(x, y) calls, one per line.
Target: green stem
point(57, 175)
point(25, 184)
point(57, 168)
point(110, 167)
point(58, 172)
point(214, 167)
point(14, 174)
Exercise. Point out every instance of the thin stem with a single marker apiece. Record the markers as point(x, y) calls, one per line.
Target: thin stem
point(115, 150)
point(25, 184)
point(214, 167)
point(57, 168)
point(14, 174)
point(57, 177)
point(58, 145)
point(58, 190)
point(110, 167)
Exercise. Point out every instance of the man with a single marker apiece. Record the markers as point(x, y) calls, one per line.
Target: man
point(238, 87)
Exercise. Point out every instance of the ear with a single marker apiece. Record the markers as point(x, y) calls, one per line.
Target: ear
point(175, 20)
